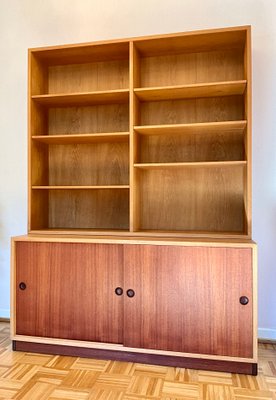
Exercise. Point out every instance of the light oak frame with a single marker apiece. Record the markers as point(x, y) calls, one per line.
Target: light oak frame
point(61, 79)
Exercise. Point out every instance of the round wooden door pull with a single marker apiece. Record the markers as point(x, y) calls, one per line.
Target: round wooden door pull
point(244, 300)
point(130, 293)
point(119, 291)
point(22, 285)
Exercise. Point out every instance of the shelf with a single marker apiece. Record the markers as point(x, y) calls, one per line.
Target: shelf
point(83, 138)
point(68, 187)
point(190, 164)
point(84, 99)
point(189, 91)
point(205, 127)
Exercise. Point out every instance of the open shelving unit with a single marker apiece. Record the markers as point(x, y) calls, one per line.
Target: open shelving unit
point(145, 136)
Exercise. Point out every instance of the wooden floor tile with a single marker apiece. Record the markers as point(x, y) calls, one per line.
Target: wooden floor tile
point(90, 364)
point(105, 394)
point(219, 392)
point(176, 389)
point(146, 386)
point(29, 376)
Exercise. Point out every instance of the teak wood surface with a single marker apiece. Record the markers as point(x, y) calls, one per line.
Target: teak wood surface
point(212, 303)
point(187, 299)
point(69, 291)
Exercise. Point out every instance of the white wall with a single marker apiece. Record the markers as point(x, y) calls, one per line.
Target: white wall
point(31, 23)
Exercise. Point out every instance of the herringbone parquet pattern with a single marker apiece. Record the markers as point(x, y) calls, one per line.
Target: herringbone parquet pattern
point(25, 376)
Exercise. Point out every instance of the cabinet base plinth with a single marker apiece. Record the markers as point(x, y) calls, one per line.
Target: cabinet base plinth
point(156, 359)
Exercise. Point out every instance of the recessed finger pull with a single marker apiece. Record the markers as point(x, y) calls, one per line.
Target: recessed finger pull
point(244, 300)
point(119, 291)
point(130, 293)
point(22, 285)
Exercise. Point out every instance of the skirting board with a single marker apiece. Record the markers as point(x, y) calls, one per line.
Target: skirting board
point(266, 334)
point(182, 362)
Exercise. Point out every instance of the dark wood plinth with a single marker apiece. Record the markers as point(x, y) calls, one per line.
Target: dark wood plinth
point(182, 362)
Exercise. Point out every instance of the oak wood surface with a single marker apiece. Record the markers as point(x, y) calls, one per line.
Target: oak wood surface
point(69, 291)
point(88, 209)
point(82, 138)
point(200, 127)
point(85, 99)
point(229, 108)
point(82, 53)
point(174, 165)
point(191, 146)
point(68, 86)
point(94, 119)
point(90, 164)
point(88, 77)
point(188, 299)
point(216, 89)
point(191, 68)
point(192, 199)
point(190, 42)
point(71, 187)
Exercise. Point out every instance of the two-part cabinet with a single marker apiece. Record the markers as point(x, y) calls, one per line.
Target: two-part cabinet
point(139, 203)
point(177, 300)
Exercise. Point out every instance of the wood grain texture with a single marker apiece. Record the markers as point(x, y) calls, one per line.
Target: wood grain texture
point(200, 127)
point(82, 53)
point(192, 199)
point(38, 78)
point(134, 120)
point(189, 42)
point(67, 86)
point(90, 164)
point(187, 111)
point(191, 147)
point(197, 164)
point(82, 99)
point(188, 299)
point(88, 77)
point(215, 89)
point(88, 209)
point(70, 187)
point(84, 138)
point(190, 68)
point(137, 238)
point(95, 119)
point(69, 291)
point(248, 137)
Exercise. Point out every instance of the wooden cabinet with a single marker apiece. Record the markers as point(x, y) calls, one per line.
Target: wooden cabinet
point(174, 299)
point(140, 179)
point(69, 291)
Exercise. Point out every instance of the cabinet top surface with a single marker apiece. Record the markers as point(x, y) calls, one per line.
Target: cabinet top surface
point(137, 240)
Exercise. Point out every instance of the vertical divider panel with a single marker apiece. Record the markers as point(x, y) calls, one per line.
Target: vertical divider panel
point(134, 78)
point(248, 134)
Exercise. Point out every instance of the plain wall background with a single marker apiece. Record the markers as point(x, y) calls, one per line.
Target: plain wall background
point(33, 23)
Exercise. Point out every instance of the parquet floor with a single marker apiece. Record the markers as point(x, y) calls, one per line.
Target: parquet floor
point(44, 377)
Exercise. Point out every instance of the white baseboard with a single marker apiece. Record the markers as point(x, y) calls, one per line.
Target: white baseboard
point(4, 313)
point(268, 334)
